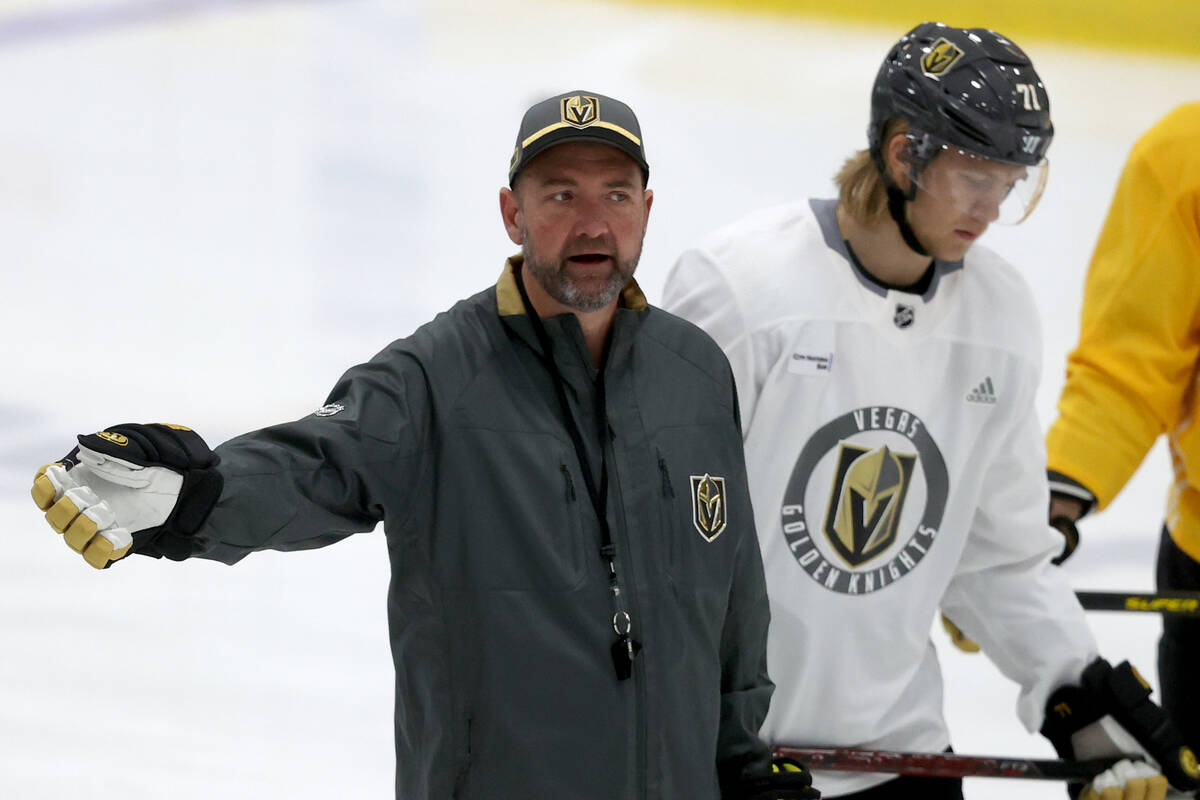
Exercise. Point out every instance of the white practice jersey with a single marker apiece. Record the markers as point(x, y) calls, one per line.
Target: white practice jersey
point(896, 465)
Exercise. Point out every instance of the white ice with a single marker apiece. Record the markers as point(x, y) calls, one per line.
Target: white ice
point(210, 208)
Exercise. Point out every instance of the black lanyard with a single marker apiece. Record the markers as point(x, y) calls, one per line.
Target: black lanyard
point(625, 648)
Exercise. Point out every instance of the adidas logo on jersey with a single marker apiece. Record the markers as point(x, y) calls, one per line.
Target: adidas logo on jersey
point(983, 393)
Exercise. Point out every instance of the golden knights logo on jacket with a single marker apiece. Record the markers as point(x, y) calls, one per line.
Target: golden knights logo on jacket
point(708, 505)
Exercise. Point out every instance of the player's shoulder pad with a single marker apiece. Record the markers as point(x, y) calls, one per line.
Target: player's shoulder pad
point(756, 237)
point(1174, 139)
point(767, 261)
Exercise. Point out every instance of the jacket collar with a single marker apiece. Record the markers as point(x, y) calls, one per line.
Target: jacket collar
point(508, 297)
point(564, 328)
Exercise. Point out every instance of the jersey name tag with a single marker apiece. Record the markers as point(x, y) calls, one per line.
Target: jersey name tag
point(812, 351)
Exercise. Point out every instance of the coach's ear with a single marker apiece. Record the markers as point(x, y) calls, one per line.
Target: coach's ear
point(510, 212)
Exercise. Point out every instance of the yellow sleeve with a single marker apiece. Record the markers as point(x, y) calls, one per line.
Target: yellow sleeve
point(1130, 376)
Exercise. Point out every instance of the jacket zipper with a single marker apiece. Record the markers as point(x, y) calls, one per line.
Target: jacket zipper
point(667, 489)
point(639, 668)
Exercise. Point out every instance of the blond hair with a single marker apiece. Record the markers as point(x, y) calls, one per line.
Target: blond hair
point(861, 189)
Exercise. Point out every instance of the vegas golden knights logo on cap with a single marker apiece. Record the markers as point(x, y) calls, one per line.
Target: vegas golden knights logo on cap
point(868, 496)
point(940, 58)
point(580, 110)
point(708, 505)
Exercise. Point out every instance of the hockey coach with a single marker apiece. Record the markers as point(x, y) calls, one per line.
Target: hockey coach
point(577, 605)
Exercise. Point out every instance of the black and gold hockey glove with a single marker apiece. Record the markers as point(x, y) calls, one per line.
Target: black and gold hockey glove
point(1110, 714)
point(1070, 532)
point(787, 780)
point(1070, 500)
point(131, 489)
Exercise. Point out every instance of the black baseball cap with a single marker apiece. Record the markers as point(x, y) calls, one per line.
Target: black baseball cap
point(578, 116)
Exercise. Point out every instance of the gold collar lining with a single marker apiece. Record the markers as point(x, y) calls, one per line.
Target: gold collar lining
point(508, 296)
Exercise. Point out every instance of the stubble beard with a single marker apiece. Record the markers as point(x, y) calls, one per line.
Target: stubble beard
point(555, 279)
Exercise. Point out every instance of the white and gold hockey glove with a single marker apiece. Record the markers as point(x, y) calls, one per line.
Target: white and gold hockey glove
point(1128, 780)
point(131, 489)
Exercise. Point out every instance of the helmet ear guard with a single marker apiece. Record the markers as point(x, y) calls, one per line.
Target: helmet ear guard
point(905, 171)
point(897, 196)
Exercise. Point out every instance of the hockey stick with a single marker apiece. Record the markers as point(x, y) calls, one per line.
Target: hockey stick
point(944, 765)
point(1175, 603)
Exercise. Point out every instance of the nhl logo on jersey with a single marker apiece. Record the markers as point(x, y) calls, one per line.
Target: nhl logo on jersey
point(708, 505)
point(868, 494)
point(865, 500)
point(941, 57)
point(904, 316)
point(580, 110)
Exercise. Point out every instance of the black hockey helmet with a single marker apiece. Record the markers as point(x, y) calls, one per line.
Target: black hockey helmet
point(969, 88)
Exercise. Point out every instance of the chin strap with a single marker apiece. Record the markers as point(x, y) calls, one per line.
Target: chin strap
point(896, 201)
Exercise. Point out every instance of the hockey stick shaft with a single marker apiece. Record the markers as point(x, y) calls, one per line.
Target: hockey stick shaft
point(943, 765)
point(1185, 604)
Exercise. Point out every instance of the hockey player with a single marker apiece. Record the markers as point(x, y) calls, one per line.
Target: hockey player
point(1133, 377)
point(571, 614)
point(886, 368)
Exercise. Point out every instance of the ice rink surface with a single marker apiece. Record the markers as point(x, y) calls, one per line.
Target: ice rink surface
point(211, 209)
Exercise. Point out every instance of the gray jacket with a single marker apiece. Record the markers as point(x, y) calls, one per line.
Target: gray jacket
point(499, 607)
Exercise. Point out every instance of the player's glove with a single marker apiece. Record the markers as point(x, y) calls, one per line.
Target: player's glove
point(1111, 714)
point(131, 489)
point(1066, 508)
point(787, 780)
point(960, 639)
point(1066, 526)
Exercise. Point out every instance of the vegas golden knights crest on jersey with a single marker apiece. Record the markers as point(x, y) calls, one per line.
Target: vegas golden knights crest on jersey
point(580, 110)
point(866, 501)
point(708, 505)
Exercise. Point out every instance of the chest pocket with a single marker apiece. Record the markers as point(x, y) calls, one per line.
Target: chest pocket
point(527, 491)
point(701, 504)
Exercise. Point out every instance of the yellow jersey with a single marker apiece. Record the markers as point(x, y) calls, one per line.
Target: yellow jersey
point(1134, 372)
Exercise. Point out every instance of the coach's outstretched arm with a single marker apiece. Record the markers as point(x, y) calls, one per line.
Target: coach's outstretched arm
point(159, 490)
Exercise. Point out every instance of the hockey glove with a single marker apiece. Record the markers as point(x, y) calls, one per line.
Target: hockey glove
point(787, 780)
point(1065, 526)
point(960, 639)
point(1065, 510)
point(131, 489)
point(1111, 714)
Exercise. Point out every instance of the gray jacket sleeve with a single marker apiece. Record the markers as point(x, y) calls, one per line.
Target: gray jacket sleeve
point(315, 481)
point(745, 687)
